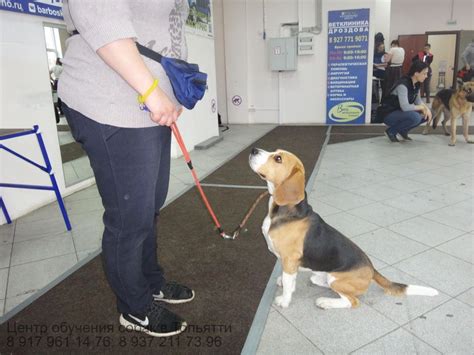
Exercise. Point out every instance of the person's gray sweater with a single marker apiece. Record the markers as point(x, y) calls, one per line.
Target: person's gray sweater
point(402, 93)
point(88, 84)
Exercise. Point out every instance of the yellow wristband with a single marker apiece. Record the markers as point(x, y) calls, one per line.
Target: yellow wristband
point(142, 98)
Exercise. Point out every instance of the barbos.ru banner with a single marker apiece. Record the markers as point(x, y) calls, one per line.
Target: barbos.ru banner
point(45, 8)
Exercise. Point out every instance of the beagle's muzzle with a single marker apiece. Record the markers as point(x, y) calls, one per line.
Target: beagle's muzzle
point(301, 239)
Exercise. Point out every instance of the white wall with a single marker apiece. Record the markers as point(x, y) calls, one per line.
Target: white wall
point(26, 100)
point(287, 97)
point(218, 14)
point(236, 66)
point(382, 19)
point(200, 123)
point(420, 16)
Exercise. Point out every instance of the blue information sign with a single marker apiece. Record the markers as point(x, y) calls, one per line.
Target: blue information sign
point(348, 46)
point(46, 8)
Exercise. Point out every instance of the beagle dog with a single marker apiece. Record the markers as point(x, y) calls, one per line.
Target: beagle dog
point(453, 104)
point(301, 239)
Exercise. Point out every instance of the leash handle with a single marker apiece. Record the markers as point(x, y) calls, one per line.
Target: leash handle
point(180, 141)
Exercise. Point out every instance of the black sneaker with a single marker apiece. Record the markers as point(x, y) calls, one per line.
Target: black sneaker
point(157, 321)
point(174, 293)
point(392, 137)
point(405, 136)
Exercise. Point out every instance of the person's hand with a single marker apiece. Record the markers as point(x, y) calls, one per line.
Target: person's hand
point(427, 114)
point(162, 110)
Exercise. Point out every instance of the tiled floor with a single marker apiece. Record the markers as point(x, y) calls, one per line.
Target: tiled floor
point(36, 249)
point(410, 207)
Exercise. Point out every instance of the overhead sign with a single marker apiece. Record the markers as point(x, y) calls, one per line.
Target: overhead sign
point(46, 8)
point(348, 47)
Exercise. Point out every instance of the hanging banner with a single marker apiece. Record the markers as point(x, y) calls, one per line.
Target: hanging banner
point(200, 18)
point(348, 46)
point(46, 8)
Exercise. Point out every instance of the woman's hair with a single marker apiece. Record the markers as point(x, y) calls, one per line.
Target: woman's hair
point(378, 45)
point(417, 67)
point(395, 42)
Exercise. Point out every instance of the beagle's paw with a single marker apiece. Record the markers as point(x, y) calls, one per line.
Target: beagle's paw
point(279, 283)
point(282, 302)
point(328, 303)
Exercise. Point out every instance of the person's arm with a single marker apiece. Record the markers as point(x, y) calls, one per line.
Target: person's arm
point(429, 59)
point(123, 57)
point(402, 92)
point(425, 110)
point(107, 28)
point(389, 55)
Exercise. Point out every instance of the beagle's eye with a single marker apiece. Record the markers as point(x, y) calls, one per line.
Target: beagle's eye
point(277, 159)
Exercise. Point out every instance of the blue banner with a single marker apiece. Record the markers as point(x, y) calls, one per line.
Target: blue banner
point(348, 46)
point(46, 8)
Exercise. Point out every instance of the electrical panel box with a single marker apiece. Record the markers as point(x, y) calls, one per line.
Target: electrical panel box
point(282, 53)
point(305, 43)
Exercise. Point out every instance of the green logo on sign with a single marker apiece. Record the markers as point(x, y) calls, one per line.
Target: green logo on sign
point(346, 111)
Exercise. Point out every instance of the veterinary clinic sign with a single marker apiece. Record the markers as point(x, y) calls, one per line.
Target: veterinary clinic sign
point(348, 46)
point(46, 8)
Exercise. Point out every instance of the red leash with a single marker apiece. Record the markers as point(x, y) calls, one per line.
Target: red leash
point(180, 141)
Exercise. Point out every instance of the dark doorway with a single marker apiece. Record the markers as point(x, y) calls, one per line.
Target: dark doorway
point(412, 45)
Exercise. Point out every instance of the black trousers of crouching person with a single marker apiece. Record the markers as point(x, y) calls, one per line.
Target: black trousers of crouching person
point(131, 168)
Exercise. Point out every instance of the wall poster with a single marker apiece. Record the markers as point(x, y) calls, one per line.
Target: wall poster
point(348, 46)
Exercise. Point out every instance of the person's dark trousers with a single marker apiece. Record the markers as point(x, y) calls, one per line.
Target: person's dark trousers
point(402, 121)
point(426, 88)
point(131, 168)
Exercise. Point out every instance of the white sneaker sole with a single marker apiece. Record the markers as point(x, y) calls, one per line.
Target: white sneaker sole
point(173, 301)
point(136, 327)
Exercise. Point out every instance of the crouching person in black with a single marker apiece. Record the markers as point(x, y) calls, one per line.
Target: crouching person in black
point(403, 109)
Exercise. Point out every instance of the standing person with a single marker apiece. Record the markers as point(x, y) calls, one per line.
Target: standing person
point(378, 72)
point(426, 56)
point(54, 74)
point(129, 149)
point(468, 60)
point(395, 58)
point(379, 61)
point(403, 109)
point(468, 56)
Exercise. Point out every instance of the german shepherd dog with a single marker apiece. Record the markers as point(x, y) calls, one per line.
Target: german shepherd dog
point(453, 104)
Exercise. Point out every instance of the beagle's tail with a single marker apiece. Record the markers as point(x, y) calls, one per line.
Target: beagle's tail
point(397, 289)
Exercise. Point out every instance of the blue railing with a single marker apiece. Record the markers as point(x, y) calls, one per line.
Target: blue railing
point(46, 168)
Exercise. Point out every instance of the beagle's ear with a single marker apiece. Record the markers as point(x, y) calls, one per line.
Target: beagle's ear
point(291, 191)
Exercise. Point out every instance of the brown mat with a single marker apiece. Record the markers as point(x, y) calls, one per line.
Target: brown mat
point(341, 138)
point(379, 128)
point(71, 151)
point(63, 127)
point(229, 278)
point(305, 141)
